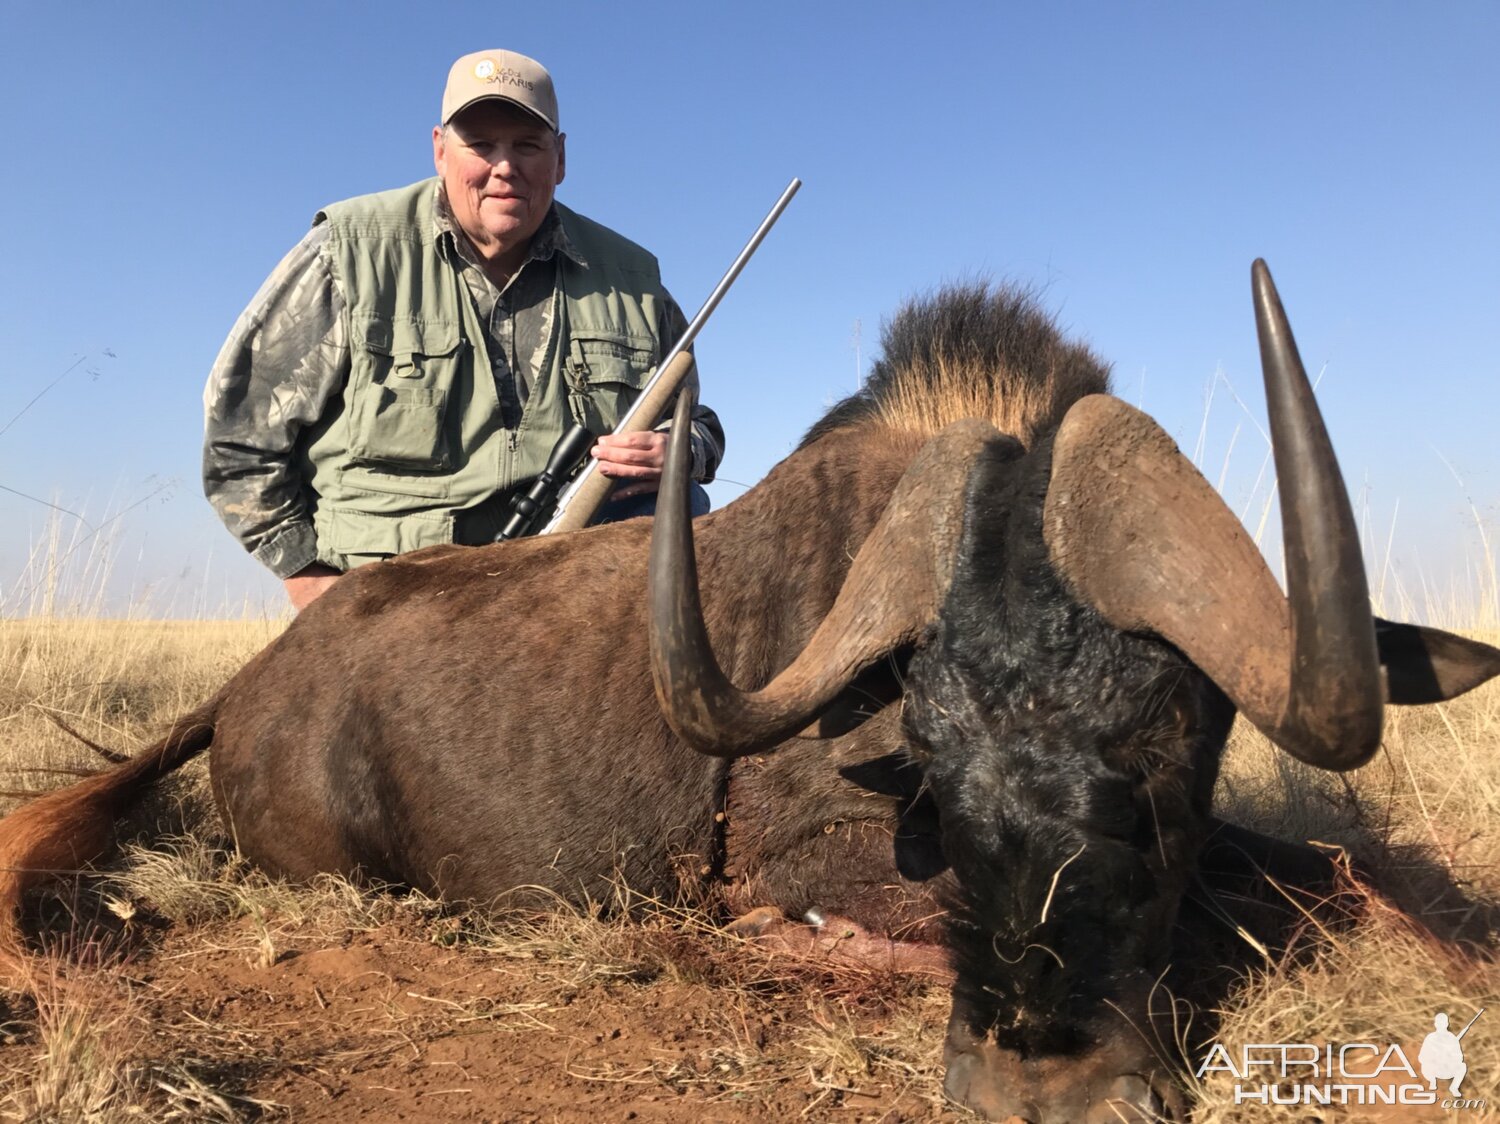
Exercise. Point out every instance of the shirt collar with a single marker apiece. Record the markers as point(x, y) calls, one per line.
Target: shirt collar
point(550, 239)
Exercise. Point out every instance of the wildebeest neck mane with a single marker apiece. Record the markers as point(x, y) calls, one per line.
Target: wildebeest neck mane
point(971, 350)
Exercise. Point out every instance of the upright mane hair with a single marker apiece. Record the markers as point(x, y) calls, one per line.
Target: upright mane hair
point(971, 350)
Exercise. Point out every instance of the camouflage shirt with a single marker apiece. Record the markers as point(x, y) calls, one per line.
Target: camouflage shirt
point(287, 360)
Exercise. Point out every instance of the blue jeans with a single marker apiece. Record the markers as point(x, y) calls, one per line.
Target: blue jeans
point(634, 506)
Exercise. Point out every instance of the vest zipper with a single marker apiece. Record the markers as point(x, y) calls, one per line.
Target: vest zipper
point(508, 459)
point(578, 387)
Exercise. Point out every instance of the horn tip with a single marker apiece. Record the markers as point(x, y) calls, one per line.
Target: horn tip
point(1260, 277)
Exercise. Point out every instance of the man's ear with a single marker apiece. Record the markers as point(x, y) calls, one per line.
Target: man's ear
point(562, 156)
point(438, 139)
point(1428, 665)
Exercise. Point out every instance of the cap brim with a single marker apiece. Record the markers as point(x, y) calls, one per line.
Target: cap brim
point(501, 97)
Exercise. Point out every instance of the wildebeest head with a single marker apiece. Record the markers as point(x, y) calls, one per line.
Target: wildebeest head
point(1081, 616)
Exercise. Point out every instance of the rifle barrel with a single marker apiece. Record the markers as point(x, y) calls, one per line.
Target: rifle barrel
point(730, 275)
point(1471, 1022)
point(625, 423)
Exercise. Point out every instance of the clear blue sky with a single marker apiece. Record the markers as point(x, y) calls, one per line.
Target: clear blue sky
point(1130, 159)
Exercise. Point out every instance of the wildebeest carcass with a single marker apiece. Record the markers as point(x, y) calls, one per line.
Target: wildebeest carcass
point(1012, 621)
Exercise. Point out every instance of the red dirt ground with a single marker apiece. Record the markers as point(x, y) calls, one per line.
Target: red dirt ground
point(387, 1025)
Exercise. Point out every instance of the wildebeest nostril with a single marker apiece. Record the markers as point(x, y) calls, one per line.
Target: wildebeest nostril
point(960, 1076)
point(973, 1082)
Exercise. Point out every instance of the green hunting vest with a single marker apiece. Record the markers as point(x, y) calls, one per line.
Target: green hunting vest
point(417, 444)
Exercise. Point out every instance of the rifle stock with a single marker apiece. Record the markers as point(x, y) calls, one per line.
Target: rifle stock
point(591, 487)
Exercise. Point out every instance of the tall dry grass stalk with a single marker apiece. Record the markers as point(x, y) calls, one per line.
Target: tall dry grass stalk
point(93, 1061)
point(117, 683)
point(82, 1068)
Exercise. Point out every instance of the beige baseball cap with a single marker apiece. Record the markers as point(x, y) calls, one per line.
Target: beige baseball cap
point(504, 75)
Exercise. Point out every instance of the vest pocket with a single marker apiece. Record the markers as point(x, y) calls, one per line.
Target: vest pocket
point(607, 372)
point(353, 538)
point(400, 380)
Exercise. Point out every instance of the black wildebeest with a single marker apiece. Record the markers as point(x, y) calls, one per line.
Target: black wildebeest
point(1066, 612)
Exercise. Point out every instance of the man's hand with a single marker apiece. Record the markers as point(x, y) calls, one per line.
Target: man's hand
point(634, 458)
point(309, 583)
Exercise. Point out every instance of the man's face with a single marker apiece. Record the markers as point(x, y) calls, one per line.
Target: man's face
point(500, 167)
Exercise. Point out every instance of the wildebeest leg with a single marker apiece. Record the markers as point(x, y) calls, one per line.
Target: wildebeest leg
point(1251, 895)
point(287, 773)
point(1232, 854)
point(839, 827)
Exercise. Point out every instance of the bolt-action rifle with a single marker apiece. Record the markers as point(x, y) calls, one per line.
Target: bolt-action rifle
point(575, 494)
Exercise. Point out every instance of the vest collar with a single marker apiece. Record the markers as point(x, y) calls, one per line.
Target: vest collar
point(550, 239)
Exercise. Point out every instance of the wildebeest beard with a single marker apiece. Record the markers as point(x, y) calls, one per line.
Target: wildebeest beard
point(1073, 767)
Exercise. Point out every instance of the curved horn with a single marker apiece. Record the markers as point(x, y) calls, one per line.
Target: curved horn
point(893, 590)
point(1335, 708)
point(1144, 538)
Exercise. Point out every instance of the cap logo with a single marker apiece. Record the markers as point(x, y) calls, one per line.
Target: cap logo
point(484, 68)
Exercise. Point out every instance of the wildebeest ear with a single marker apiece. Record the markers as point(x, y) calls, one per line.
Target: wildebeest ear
point(1428, 665)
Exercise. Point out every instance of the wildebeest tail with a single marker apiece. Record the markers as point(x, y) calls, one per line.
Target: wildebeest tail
point(64, 829)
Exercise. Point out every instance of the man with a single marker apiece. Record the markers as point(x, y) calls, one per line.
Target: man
point(1442, 1055)
point(411, 362)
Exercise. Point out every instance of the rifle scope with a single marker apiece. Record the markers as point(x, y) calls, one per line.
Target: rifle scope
point(571, 448)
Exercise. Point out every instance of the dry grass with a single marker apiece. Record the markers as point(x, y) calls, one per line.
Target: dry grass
point(101, 1048)
point(1422, 818)
point(118, 682)
point(90, 1060)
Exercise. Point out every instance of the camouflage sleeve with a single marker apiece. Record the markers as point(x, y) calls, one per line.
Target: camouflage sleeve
point(708, 433)
point(286, 357)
